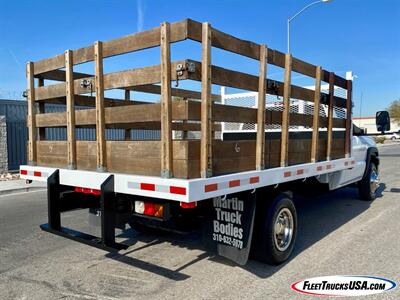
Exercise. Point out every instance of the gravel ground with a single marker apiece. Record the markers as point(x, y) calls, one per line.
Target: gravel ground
point(338, 234)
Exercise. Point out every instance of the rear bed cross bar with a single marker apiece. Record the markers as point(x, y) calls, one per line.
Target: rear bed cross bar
point(107, 209)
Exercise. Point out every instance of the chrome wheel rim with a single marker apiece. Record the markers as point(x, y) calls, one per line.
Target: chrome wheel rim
point(374, 180)
point(283, 229)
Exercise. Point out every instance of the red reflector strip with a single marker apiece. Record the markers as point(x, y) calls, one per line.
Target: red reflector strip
point(319, 168)
point(287, 174)
point(254, 179)
point(96, 192)
point(329, 167)
point(23, 172)
point(148, 186)
point(87, 191)
point(37, 173)
point(210, 187)
point(177, 190)
point(188, 205)
point(300, 172)
point(234, 183)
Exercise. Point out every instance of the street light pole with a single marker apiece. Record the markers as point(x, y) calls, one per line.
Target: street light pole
point(295, 15)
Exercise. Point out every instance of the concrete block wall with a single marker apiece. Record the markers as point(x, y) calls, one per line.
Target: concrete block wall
point(3, 145)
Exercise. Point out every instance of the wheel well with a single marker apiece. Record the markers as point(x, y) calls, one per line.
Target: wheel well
point(374, 158)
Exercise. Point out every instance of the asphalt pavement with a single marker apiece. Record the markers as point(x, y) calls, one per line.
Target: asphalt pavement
point(338, 235)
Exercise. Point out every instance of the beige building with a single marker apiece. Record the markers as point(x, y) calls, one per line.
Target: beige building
point(368, 123)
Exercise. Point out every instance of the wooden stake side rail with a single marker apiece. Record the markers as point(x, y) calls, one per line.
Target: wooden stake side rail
point(186, 110)
point(185, 115)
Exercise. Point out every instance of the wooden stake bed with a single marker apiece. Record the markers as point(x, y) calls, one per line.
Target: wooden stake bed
point(190, 156)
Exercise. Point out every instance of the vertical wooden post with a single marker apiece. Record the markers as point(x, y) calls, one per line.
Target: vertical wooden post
point(42, 130)
point(317, 99)
point(330, 115)
point(69, 92)
point(349, 105)
point(127, 134)
point(286, 110)
point(206, 104)
point(260, 144)
point(166, 103)
point(31, 114)
point(100, 119)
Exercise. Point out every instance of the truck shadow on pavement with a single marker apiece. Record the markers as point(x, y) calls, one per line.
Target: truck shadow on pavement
point(317, 217)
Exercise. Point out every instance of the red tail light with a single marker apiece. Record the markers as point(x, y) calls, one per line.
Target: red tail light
point(23, 172)
point(149, 209)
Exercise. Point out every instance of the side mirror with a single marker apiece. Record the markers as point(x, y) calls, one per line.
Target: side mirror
point(382, 121)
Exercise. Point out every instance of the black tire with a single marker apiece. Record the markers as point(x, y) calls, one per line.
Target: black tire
point(264, 245)
point(366, 190)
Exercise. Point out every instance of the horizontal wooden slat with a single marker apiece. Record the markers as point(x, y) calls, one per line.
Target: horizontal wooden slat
point(138, 41)
point(249, 82)
point(141, 76)
point(338, 81)
point(236, 114)
point(303, 67)
point(81, 100)
point(59, 75)
point(247, 48)
point(182, 110)
point(156, 89)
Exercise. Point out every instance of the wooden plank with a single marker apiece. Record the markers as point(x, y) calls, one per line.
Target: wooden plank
point(206, 104)
point(348, 118)
point(90, 101)
point(116, 80)
point(247, 48)
point(186, 94)
point(330, 115)
point(131, 43)
point(100, 118)
point(303, 67)
point(317, 97)
point(123, 117)
point(166, 103)
point(230, 78)
point(70, 109)
point(286, 111)
point(260, 148)
point(59, 75)
point(338, 81)
point(127, 132)
point(31, 114)
point(224, 41)
point(42, 110)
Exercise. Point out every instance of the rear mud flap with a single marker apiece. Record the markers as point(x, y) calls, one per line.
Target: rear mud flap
point(230, 225)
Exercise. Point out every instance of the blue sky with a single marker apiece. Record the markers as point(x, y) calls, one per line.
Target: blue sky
point(358, 35)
